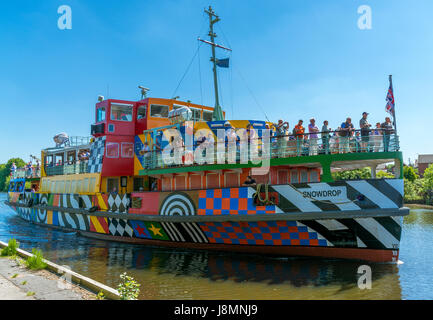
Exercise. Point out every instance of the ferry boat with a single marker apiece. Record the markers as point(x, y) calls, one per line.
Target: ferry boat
point(165, 172)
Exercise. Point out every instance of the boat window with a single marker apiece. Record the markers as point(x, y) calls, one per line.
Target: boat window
point(127, 150)
point(121, 112)
point(314, 177)
point(207, 115)
point(85, 185)
point(212, 181)
point(68, 186)
point(100, 114)
point(138, 184)
point(74, 186)
point(196, 114)
point(231, 179)
point(71, 157)
point(49, 161)
point(195, 181)
point(112, 185)
point(92, 184)
point(112, 150)
point(304, 176)
point(166, 184)
point(180, 182)
point(294, 176)
point(158, 111)
point(58, 159)
point(141, 112)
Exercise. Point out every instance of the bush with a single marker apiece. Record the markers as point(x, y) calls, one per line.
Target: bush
point(129, 288)
point(11, 249)
point(36, 262)
point(383, 174)
point(363, 173)
point(414, 191)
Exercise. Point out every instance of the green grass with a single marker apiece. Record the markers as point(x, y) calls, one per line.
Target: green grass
point(24, 282)
point(30, 293)
point(11, 249)
point(14, 276)
point(36, 262)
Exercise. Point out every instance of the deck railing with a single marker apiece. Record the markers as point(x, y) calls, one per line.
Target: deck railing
point(291, 146)
point(21, 173)
point(73, 168)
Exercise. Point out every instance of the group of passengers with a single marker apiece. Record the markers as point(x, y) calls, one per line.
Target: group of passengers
point(344, 139)
point(30, 170)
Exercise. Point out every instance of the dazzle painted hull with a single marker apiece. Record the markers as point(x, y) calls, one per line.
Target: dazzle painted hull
point(295, 223)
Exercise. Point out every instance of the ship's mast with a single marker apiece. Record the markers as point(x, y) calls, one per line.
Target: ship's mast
point(217, 113)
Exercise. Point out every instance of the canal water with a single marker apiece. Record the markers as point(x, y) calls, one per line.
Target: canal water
point(183, 274)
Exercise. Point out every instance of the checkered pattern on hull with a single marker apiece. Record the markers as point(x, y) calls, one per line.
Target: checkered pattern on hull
point(272, 233)
point(118, 203)
point(228, 201)
point(96, 155)
point(120, 227)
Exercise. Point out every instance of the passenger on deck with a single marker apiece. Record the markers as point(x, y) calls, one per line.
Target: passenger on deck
point(387, 130)
point(298, 132)
point(346, 132)
point(280, 130)
point(313, 130)
point(325, 137)
point(250, 182)
point(376, 136)
point(13, 168)
point(365, 132)
point(145, 151)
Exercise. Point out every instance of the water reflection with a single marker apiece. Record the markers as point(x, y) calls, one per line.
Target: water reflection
point(419, 217)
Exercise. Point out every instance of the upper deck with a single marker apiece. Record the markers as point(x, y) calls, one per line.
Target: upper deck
point(328, 151)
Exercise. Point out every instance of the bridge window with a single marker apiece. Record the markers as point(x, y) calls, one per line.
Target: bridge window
point(127, 150)
point(141, 112)
point(100, 114)
point(196, 114)
point(158, 111)
point(112, 150)
point(207, 115)
point(121, 112)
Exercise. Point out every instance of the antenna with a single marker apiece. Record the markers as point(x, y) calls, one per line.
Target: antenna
point(213, 18)
point(143, 91)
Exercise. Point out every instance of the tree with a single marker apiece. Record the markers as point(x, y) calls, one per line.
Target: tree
point(428, 180)
point(409, 173)
point(5, 170)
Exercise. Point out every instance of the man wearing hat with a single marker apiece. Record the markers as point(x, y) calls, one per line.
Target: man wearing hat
point(365, 131)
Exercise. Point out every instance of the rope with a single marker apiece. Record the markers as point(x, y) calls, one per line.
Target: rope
point(265, 201)
point(187, 69)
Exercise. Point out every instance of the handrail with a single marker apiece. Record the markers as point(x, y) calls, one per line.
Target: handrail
point(298, 145)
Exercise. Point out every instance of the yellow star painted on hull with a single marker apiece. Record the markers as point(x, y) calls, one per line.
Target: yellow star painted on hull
point(156, 231)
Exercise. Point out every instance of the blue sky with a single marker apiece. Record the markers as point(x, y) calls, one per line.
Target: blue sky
point(300, 58)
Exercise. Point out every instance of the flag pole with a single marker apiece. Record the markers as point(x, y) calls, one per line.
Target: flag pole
point(393, 112)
